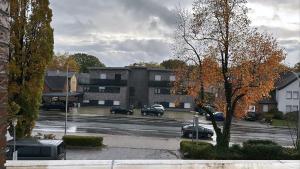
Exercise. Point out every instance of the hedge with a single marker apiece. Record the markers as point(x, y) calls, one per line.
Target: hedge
point(197, 150)
point(83, 141)
point(262, 150)
point(251, 150)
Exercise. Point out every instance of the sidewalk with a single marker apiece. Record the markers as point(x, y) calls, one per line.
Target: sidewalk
point(125, 141)
point(152, 164)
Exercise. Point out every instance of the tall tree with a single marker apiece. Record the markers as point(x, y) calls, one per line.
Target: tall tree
point(84, 61)
point(297, 67)
point(173, 64)
point(146, 64)
point(61, 62)
point(249, 61)
point(31, 49)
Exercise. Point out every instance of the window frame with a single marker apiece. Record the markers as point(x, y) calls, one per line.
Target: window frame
point(157, 77)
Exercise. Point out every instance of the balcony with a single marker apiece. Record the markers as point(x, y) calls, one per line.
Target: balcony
point(108, 82)
point(160, 84)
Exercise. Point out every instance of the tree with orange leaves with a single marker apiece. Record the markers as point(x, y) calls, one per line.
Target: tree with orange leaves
point(243, 64)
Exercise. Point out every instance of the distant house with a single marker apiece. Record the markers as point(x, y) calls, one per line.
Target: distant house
point(55, 86)
point(288, 93)
point(285, 97)
point(56, 81)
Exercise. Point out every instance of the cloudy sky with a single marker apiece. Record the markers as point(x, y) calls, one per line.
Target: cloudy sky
point(121, 32)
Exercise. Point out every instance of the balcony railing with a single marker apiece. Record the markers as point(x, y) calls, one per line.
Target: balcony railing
point(106, 82)
point(160, 84)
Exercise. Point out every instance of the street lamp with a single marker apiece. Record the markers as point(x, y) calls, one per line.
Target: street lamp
point(15, 153)
point(67, 97)
point(196, 124)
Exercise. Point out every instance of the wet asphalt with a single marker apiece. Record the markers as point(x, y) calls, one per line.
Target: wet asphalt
point(100, 121)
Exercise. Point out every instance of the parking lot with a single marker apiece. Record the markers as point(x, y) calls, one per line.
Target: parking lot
point(144, 136)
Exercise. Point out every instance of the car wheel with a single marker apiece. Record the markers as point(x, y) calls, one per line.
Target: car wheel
point(145, 114)
point(158, 114)
point(209, 135)
point(128, 113)
point(113, 112)
point(190, 135)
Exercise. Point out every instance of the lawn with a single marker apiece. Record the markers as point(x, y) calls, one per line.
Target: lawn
point(283, 123)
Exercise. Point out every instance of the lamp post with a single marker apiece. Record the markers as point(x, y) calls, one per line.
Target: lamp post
point(15, 153)
point(67, 97)
point(196, 124)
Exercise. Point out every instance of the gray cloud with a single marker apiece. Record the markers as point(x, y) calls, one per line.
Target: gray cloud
point(121, 32)
point(280, 32)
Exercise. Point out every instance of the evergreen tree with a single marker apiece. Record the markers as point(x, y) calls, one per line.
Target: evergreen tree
point(31, 49)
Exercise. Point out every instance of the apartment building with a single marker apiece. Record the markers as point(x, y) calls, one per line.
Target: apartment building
point(105, 87)
point(131, 86)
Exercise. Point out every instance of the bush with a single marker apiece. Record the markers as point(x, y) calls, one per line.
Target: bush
point(290, 154)
point(234, 153)
point(83, 141)
point(291, 116)
point(197, 150)
point(276, 114)
point(262, 150)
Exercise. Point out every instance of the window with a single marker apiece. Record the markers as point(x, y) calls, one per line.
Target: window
point(251, 109)
point(157, 77)
point(118, 77)
point(102, 76)
point(101, 102)
point(288, 108)
point(86, 101)
point(187, 105)
point(295, 95)
point(295, 108)
point(86, 89)
point(172, 78)
point(116, 103)
point(102, 89)
point(172, 105)
point(157, 91)
point(265, 108)
point(288, 95)
point(132, 91)
point(54, 99)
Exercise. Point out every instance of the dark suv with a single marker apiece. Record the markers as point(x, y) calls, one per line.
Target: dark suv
point(152, 111)
point(35, 149)
point(120, 110)
point(189, 131)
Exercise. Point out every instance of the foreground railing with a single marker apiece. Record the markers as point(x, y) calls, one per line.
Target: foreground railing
point(152, 164)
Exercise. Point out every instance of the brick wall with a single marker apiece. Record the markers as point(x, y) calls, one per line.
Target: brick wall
point(4, 38)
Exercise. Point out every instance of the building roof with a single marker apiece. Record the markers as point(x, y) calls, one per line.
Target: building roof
point(129, 68)
point(108, 68)
point(286, 80)
point(58, 73)
point(55, 82)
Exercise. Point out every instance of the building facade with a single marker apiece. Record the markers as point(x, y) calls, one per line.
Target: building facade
point(4, 40)
point(131, 86)
point(288, 94)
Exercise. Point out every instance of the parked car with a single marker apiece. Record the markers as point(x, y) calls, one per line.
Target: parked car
point(158, 106)
point(35, 149)
point(152, 111)
point(219, 116)
point(189, 131)
point(203, 112)
point(56, 106)
point(250, 116)
point(120, 110)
